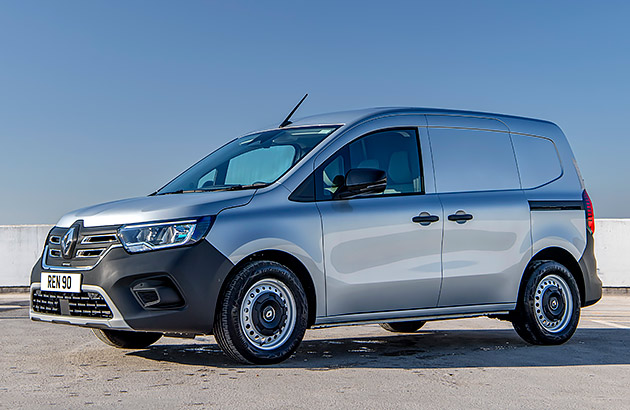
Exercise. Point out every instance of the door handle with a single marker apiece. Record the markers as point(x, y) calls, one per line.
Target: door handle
point(460, 217)
point(425, 219)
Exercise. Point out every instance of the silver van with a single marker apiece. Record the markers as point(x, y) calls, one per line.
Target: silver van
point(388, 215)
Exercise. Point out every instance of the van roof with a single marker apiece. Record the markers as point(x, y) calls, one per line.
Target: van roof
point(514, 123)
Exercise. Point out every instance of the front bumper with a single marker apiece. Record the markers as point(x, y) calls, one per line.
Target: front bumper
point(197, 272)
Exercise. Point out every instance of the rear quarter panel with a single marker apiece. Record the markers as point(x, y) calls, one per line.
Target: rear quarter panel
point(563, 229)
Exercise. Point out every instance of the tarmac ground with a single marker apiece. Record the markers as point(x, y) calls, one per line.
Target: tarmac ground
point(466, 363)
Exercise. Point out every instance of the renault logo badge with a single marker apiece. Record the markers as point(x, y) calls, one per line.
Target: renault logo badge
point(68, 241)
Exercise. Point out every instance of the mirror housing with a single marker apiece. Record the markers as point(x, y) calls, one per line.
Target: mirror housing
point(362, 181)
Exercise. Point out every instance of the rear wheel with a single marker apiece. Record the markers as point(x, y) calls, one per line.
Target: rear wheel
point(125, 339)
point(548, 310)
point(403, 327)
point(263, 314)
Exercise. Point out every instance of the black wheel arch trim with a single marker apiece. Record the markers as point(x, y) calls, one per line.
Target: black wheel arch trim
point(584, 271)
point(288, 260)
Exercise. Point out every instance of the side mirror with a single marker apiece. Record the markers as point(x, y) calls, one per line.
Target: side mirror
point(362, 181)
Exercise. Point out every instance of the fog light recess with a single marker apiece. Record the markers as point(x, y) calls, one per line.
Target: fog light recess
point(157, 293)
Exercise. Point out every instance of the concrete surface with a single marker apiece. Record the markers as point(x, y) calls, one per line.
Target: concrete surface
point(469, 363)
point(21, 246)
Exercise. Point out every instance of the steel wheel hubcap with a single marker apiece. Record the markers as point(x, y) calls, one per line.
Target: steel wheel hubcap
point(553, 303)
point(268, 314)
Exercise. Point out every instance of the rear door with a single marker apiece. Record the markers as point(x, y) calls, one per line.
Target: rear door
point(487, 241)
point(381, 252)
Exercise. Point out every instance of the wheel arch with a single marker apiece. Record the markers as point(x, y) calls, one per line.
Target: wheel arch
point(290, 262)
point(563, 257)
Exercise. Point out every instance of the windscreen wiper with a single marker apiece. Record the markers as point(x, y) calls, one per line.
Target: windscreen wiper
point(182, 191)
point(234, 187)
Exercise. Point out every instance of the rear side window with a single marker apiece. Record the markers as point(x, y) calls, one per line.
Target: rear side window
point(538, 160)
point(473, 160)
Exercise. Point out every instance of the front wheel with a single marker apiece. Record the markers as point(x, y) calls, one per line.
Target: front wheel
point(263, 314)
point(548, 310)
point(125, 339)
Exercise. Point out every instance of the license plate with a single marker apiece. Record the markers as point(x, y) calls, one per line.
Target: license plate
point(61, 282)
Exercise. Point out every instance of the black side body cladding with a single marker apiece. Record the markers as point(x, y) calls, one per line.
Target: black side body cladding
point(556, 205)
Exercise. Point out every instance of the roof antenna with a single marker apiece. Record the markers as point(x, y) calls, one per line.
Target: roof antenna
point(286, 120)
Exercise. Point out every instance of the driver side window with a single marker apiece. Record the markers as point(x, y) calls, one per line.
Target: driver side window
point(208, 180)
point(333, 176)
point(393, 151)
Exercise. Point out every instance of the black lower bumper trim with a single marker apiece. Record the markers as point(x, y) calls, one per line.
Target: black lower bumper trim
point(84, 304)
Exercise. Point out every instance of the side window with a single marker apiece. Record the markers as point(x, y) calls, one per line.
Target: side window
point(393, 151)
point(333, 175)
point(208, 180)
point(538, 160)
point(472, 160)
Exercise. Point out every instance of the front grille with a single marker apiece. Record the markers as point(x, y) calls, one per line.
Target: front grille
point(109, 238)
point(89, 253)
point(54, 253)
point(91, 245)
point(84, 304)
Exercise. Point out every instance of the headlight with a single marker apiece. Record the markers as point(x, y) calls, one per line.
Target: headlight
point(160, 235)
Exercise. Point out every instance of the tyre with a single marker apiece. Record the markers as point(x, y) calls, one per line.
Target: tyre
point(403, 327)
point(262, 314)
point(125, 339)
point(548, 309)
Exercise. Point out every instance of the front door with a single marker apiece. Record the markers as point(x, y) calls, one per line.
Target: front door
point(381, 252)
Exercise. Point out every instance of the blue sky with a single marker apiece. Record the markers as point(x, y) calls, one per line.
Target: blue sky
point(103, 100)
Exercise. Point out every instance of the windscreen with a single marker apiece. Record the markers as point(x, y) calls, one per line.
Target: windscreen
point(251, 161)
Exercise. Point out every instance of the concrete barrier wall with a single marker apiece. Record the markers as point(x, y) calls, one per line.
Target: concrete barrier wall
point(21, 246)
point(612, 250)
